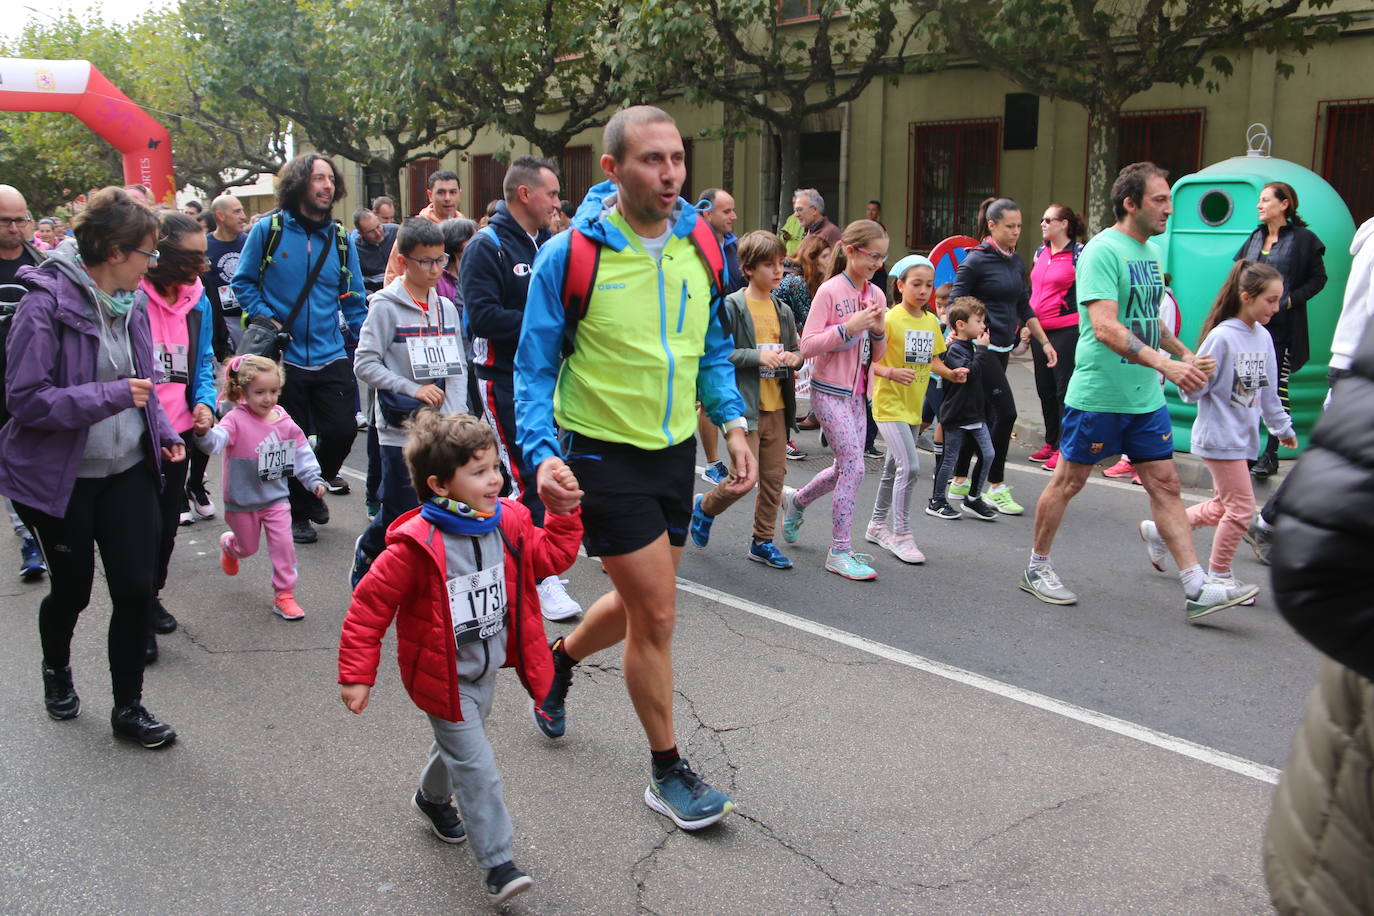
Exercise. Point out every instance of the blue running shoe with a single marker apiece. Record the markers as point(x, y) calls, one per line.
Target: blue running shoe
point(700, 529)
point(791, 515)
point(31, 566)
point(550, 716)
point(768, 552)
point(715, 472)
point(686, 799)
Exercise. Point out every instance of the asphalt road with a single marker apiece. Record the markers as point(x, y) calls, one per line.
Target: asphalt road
point(869, 780)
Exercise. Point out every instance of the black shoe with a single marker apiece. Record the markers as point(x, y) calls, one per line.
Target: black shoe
point(134, 723)
point(976, 508)
point(150, 648)
point(59, 695)
point(163, 622)
point(1265, 467)
point(317, 511)
point(303, 533)
point(550, 715)
point(505, 881)
point(338, 486)
point(442, 818)
point(872, 452)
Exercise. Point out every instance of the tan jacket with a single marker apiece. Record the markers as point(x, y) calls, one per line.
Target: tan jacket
point(393, 264)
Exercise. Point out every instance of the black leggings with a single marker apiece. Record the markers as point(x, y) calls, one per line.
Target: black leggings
point(1001, 419)
point(120, 515)
point(321, 402)
point(171, 503)
point(1051, 384)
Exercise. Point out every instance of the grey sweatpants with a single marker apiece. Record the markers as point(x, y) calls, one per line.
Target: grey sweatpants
point(461, 764)
point(901, 469)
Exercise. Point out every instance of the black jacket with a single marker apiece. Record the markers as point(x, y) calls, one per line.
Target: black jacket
point(1000, 283)
point(965, 403)
point(1298, 257)
point(494, 280)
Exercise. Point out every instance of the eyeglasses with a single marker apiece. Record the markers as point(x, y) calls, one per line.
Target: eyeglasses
point(880, 258)
point(9, 222)
point(440, 262)
point(152, 256)
point(1051, 219)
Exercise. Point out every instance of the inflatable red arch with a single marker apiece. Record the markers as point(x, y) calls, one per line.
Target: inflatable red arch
point(76, 87)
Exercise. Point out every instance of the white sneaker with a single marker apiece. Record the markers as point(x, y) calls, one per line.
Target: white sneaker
point(877, 533)
point(1229, 580)
point(1217, 595)
point(903, 547)
point(186, 519)
point(554, 600)
point(1154, 544)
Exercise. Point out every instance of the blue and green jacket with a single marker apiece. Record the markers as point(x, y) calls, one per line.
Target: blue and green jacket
point(652, 343)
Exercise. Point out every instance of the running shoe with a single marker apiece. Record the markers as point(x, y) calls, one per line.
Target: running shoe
point(1051, 462)
point(373, 507)
point(304, 533)
point(227, 561)
point(1135, 479)
point(360, 420)
point(1231, 580)
point(285, 607)
point(975, 507)
point(59, 694)
point(361, 564)
point(796, 454)
point(767, 552)
point(878, 533)
point(1267, 466)
point(186, 518)
point(1218, 595)
point(31, 565)
point(201, 502)
point(550, 715)
point(338, 486)
point(791, 515)
point(134, 723)
point(903, 547)
point(162, 620)
point(942, 509)
point(1043, 453)
point(1260, 539)
point(505, 881)
point(809, 422)
point(872, 452)
point(700, 528)
point(1154, 544)
point(1043, 583)
point(685, 798)
point(926, 441)
point(1000, 497)
point(958, 490)
point(851, 565)
point(715, 472)
point(442, 818)
point(1121, 469)
point(554, 601)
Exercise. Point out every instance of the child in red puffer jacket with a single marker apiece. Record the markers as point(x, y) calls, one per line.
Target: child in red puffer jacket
point(459, 574)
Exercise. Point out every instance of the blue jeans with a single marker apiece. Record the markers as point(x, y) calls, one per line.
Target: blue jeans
point(955, 439)
point(398, 498)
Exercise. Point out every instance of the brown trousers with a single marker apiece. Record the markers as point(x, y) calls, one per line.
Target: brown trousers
point(769, 445)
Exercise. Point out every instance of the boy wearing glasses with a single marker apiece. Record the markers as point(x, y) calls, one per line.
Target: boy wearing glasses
point(411, 352)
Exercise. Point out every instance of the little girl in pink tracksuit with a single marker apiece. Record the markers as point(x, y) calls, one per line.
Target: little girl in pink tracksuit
point(262, 448)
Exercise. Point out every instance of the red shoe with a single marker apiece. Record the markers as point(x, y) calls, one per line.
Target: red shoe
point(286, 608)
point(1121, 469)
point(1052, 462)
point(1135, 479)
point(227, 561)
point(1043, 454)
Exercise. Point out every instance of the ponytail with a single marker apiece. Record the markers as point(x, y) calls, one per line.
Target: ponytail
point(1249, 277)
point(859, 233)
point(992, 210)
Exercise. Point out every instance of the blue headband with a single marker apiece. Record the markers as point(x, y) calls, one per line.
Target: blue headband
point(908, 262)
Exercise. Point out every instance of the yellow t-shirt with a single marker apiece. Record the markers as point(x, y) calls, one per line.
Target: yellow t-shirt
point(767, 335)
point(912, 341)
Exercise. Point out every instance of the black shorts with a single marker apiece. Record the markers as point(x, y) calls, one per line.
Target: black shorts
point(631, 496)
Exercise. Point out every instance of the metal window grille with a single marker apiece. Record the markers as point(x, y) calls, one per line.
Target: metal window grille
point(1170, 138)
point(1345, 132)
point(419, 172)
point(487, 175)
point(954, 166)
point(575, 166)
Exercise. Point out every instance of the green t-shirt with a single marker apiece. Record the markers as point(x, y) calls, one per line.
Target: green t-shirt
point(1115, 266)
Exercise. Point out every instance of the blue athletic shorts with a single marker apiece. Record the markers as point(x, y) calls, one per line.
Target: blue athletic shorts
point(1087, 437)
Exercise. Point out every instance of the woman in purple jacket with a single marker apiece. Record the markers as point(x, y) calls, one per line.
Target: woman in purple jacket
point(82, 454)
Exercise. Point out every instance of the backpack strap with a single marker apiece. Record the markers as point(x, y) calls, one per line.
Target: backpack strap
point(345, 275)
point(579, 279)
point(708, 249)
point(270, 249)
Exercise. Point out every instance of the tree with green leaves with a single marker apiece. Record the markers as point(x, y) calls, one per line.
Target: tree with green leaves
point(780, 73)
point(358, 79)
point(1099, 53)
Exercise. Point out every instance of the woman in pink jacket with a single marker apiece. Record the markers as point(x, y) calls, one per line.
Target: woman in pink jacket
point(843, 335)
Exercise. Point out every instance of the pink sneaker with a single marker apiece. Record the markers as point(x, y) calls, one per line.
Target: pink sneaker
point(903, 547)
point(286, 608)
point(1135, 479)
point(1052, 462)
point(1121, 469)
point(1043, 453)
point(227, 561)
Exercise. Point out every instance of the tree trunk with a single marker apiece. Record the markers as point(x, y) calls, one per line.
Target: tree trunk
point(390, 170)
point(727, 154)
point(552, 150)
point(789, 167)
point(1104, 135)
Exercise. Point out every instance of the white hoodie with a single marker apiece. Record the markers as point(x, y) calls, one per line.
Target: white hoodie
point(1359, 298)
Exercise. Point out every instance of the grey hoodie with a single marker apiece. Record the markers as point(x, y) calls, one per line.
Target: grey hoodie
point(394, 324)
point(1244, 385)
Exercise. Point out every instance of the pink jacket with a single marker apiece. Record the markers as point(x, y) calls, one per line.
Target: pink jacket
point(839, 363)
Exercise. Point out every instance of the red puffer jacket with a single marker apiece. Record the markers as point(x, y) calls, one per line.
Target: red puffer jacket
point(408, 582)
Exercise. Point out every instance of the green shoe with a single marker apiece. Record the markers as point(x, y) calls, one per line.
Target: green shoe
point(1002, 501)
point(958, 490)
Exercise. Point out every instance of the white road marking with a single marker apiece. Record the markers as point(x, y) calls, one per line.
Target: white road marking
point(1208, 755)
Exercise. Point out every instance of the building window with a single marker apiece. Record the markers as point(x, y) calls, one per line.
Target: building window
point(487, 176)
point(418, 173)
point(1171, 139)
point(954, 166)
point(1345, 132)
point(576, 167)
point(797, 10)
point(374, 185)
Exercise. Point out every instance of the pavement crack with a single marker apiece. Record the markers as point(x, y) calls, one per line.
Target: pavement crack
point(713, 609)
point(642, 882)
point(1037, 813)
point(270, 650)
